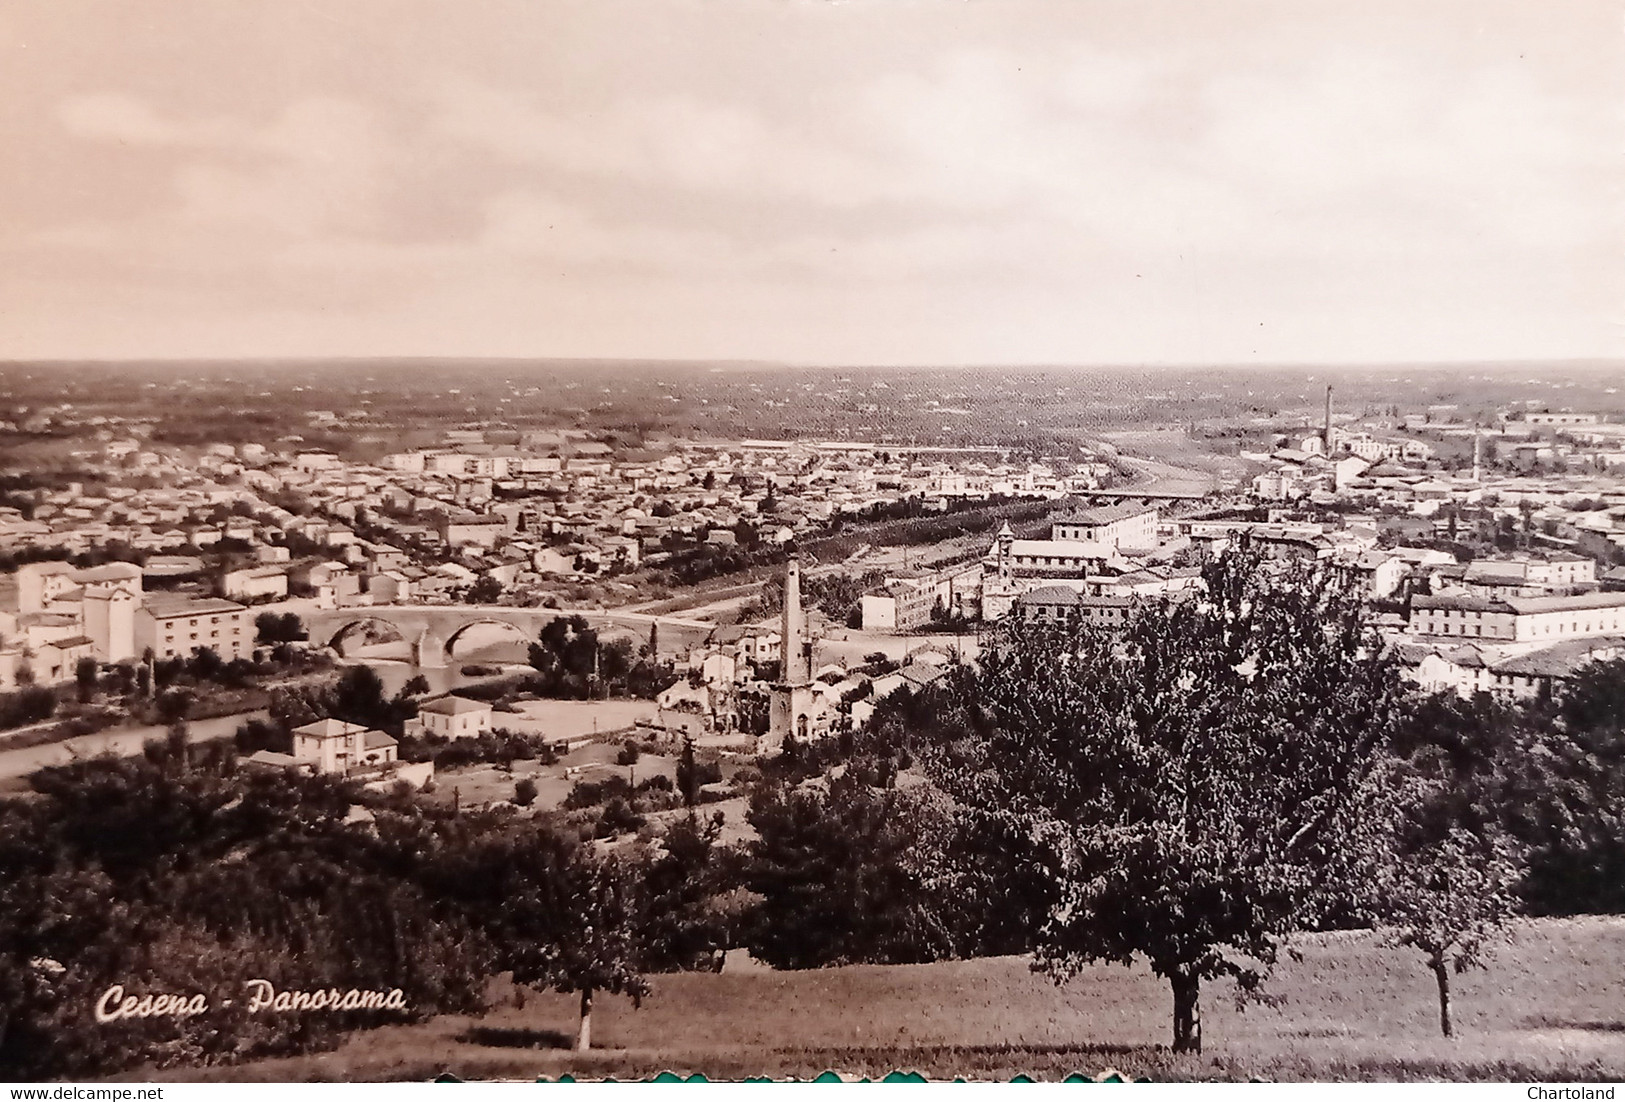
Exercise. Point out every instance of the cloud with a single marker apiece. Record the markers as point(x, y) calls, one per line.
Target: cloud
point(115, 117)
point(1067, 177)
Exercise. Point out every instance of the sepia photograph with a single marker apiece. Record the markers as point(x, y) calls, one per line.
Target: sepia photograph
point(840, 540)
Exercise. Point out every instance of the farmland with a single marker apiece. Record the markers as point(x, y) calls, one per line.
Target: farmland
point(1346, 1006)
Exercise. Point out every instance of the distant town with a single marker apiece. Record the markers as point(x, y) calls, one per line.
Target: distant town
point(713, 667)
point(1496, 551)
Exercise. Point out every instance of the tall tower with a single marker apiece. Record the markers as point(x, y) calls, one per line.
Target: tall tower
point(792, 695)
point(1326, 430)
point(792, 632)
point(1478, 457)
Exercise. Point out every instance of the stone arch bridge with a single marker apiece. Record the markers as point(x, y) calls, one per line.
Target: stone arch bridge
point(432, 630)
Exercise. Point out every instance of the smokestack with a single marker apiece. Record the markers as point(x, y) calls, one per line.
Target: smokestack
point(1478, 456)
point(791, 642)
point(1326, 432)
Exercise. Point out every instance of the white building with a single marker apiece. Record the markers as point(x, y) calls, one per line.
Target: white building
point(176, 626)
point(255, 581)
point(334, 746)
point(1125, 525)
point(1518, 619)
point(455, 717)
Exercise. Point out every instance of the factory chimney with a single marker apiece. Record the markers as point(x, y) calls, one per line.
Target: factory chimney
point(1326, 432)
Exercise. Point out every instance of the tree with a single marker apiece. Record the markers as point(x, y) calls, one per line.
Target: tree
point(1184, 791)
point(256, 735)
point(206, 664)
point(685, 922)
point(565, 656)
point(486, 590)
point(85, 672)
point(687, 775)
point(558, 917)
point(173, 706)
point(285, 628)
point(524, 792)
point(1446, 896)
point(844, 877)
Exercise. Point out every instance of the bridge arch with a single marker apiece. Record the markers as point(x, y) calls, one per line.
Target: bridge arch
point(334, 633)
point(521, 633)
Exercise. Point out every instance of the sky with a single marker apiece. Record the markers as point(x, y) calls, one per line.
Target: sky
point(859, 182)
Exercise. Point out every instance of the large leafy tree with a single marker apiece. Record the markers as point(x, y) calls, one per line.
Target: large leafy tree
point(844, 876)
point(1185, 792)
point(176, 871)
point(557, 916)
point(1549, 775)
point(685, 917)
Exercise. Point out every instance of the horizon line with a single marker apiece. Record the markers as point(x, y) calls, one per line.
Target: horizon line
point(736, 363)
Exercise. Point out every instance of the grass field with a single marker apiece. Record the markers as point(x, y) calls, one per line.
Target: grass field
point(1550, 1007)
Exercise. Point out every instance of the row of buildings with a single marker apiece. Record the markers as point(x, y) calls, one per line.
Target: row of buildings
point(65, 614)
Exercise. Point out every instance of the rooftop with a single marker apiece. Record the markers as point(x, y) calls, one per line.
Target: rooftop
point(1105, 514)
point(167, 608)
point(1561, 660)
point(1076, 549)
point(329, 728)
point(454, 706)
point(1579, 602)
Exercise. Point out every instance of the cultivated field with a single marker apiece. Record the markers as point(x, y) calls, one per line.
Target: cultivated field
point(1552, 1006)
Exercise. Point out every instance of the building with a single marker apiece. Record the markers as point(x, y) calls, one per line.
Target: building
point(469, 530)
point(455, 717)
point(1518, 619)
point(176, 626)
point(1528, 674)
point(389, 587)
point(41, 584)
point(1059, 604)
point(334, 746)
point(1051, 558)
point(1125, 525)
point(255, 582)
point(1379, 574)
point(900, 605)
point(1525, 576)
point(1560, 419)
point(109, 618)
point(999, 586)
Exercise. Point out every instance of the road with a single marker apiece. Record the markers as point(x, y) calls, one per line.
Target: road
point(16, 764)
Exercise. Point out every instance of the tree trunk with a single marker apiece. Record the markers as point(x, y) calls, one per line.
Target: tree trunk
point(1441, 974)
point(1187, 987)
point(584, 1031)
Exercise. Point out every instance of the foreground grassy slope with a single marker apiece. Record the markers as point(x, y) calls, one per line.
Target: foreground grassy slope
point(1552, 1006)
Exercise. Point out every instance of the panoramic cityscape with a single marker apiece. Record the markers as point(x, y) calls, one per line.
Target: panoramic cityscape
point(511, 575)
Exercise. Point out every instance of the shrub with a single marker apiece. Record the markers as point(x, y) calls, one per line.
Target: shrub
point(25, 706)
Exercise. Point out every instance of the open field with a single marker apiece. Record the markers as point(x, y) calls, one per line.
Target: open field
point(1551, 1007)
